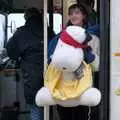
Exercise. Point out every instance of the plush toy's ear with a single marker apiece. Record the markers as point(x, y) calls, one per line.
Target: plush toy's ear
point(88, 38)
point(90, 97)
point(44, 97)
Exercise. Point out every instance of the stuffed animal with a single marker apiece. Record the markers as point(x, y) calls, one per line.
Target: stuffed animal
point(68, 80)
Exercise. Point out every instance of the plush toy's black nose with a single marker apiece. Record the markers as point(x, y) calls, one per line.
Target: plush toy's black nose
point(64, 68)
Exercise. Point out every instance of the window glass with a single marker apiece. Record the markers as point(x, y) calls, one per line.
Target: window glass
point(57, 22)
point(2, 30)
point(14, 21)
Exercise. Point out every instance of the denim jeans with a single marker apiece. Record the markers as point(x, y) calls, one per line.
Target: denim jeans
point(36, 113)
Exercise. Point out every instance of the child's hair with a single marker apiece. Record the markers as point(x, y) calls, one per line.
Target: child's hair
point(89, 3)
point(81, 7)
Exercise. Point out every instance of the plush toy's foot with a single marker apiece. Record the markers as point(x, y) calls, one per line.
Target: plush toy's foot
point(43, 97)
point(90, 97)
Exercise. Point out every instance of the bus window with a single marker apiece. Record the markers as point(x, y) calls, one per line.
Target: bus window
point(15, 20)
point(57, 22)
point(2, 30)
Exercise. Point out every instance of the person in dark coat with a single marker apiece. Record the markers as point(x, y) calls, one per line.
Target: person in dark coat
point(27, 45)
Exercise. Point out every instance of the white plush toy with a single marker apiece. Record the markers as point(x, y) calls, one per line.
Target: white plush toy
point(68, 80)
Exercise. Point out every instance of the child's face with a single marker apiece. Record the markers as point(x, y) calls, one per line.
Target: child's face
point(76, 17)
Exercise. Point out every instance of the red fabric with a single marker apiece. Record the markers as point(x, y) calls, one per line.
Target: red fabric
point(65, 37)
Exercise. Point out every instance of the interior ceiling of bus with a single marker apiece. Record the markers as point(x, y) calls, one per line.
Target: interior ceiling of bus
point(21, 4)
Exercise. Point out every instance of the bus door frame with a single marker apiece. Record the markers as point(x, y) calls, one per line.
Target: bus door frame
point(104, 80)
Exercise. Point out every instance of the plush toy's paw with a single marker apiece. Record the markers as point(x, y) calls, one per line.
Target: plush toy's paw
point(90, 97)
point(43, 97)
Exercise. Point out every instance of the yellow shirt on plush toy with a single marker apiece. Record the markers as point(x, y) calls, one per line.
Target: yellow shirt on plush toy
point(67, 89)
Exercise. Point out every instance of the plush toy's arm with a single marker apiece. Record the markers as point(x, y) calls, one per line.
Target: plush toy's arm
point(92, 52)
point(88, 54)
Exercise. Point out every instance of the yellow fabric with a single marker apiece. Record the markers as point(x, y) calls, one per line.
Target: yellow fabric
point(67, 89)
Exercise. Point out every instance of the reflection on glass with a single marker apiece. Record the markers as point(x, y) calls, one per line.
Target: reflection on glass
point(2, 30)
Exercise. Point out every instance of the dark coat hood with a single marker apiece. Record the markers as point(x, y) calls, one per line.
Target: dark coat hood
point(32, 24)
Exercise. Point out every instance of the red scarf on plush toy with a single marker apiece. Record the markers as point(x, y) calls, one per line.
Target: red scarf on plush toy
point(65, 37)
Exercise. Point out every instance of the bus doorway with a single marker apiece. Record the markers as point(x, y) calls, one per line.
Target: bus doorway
point(100, 112)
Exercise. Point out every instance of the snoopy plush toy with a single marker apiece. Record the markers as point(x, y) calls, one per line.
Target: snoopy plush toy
point(68, 79)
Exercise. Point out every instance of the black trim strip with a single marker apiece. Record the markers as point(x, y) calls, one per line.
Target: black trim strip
point(104, 59)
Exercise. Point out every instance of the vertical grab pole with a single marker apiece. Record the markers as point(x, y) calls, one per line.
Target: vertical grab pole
point(46, 108)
